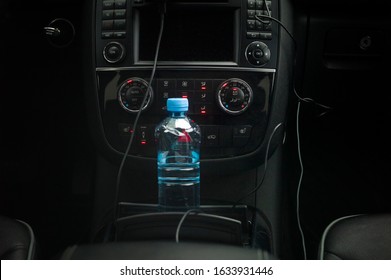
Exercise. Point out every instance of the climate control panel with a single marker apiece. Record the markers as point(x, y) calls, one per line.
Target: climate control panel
point(206, 96)
point(231, 106)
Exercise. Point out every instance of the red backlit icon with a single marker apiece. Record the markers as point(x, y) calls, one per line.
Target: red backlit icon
point(184, 138)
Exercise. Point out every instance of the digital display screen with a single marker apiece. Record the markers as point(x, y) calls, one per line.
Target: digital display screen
point(190, 34)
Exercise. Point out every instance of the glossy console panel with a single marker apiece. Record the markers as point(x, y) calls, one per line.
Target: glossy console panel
point(224, 134)
point(195, 33)
point(195, 58)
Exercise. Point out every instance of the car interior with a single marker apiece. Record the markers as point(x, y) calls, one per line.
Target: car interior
point(295, 167)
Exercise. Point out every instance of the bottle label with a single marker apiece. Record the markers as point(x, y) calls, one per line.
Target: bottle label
point(184, 137)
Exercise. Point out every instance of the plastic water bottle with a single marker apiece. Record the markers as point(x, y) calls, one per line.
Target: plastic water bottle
point(178, 158)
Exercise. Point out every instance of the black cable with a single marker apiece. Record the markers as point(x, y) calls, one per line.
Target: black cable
point(305, 99)
point(182, 220)
point(300, 181)
point(265, 166)
point(162, 17)
point(259, 18)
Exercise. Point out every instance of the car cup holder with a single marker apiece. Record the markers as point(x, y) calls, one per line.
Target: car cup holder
point(225, 224)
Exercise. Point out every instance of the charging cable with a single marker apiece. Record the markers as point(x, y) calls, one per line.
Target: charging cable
point(120, 170)
point(300, 181)
point(187, 213)
point(261, 18)
point(265, 166)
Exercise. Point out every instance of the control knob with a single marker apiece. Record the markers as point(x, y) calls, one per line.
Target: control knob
point(234, 96)
point(258, 53)
point(131, 94)
point(114, 52)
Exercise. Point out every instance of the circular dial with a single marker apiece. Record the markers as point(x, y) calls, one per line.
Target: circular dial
point(114, 52)
point(258, 53)
point(234, 96)
point(131, 94)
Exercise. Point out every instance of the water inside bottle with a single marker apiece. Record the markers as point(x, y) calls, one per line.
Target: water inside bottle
point(179, 183)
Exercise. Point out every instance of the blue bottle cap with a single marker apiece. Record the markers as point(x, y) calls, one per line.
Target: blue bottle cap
point(177, 105)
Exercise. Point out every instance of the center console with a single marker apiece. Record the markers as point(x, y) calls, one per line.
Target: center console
point(215, 53)
point(235, 71)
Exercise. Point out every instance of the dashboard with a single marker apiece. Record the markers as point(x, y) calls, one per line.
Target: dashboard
point(227, 75)
point(231, 65)
point(276, 86)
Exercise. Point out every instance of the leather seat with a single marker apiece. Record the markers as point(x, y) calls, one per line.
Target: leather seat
point(17, 241)
point(360, 237)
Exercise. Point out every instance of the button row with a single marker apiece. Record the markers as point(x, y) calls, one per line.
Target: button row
point(113, 14)
point(199, 103)
point(259, 4)
point(259, 35)
point(253, 24)
point(259, 29)
point(225, 135)
point(185, 84)
point(145, 133)
point(212, 135)
point(113, 4)
point(114, 19)
point(200, 93)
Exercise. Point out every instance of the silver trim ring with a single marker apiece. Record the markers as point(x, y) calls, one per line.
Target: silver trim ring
point(118, 59)
point(240, 81)
point(148, 100)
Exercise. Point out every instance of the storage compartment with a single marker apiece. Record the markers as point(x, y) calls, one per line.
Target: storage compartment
point(223, 224)
point(168, 226)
